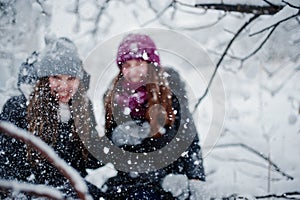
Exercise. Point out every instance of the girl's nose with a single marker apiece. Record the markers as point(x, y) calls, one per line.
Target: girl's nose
point(63, 84)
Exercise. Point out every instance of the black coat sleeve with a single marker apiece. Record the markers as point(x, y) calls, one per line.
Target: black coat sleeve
point(14, 111)
point(13, 164)
point(192, 161)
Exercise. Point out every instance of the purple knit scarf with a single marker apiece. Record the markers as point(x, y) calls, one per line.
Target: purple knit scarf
point(132, 99)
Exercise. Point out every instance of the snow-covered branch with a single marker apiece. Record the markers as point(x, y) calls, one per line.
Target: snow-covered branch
point(158, 13)
point(241, 8)
point(98, 17)
point(287, 195)
point(254, 151)
point(261, 44)
point(70, 173)
point(44, 7)
point(37, 190)
point(285, 14)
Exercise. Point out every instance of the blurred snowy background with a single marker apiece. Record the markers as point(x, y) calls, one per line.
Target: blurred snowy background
point(254, 45)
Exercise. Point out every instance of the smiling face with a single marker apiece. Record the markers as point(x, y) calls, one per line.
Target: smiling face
point(135, 70)
point(63, 87)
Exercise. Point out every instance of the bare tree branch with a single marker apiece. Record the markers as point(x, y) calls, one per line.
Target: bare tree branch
point(276, 168)
point(43, 9)
point(257, 176)
point(190, 10)
point(241, 8)
point(151, 6)
point(243, 59)
point(279, 22)
point(298, 20)
point(261, 44)
point(158, 14)
point(172, 4)
point(291, 5)
point(31, 189)
point(283, 196)
point(221, 59)
point(70, 173)
point(268, 2)
point(251, 162)
point(98, 17)
point(287, 195)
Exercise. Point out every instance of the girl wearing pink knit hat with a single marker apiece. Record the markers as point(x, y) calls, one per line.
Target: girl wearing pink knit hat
point(143, 115)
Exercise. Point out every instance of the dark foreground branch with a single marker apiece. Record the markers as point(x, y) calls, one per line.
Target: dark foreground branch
point(70, 173)
point(37, 190)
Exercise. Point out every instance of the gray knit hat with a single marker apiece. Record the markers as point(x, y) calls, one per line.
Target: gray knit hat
point(60, 57)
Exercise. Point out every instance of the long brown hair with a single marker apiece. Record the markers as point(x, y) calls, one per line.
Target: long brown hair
point(158, 93)
point(43, 119)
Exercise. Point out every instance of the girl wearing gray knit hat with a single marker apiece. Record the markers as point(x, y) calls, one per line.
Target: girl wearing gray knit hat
point(60, 57)
point(59, 107)
point(60, 69)
point(60, 113)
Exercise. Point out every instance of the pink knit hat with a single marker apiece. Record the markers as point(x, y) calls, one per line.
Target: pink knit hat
point(137, 46)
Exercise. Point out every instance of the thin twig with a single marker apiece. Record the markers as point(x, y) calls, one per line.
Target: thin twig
point(251, 162)
point(271, 4)
point(243, 59)
point(98, 17)
point(158, 15)
point(246, 172)
point(261, 44)
point(291, 5)
point(279, 22)
point(43, 9)
point(276, 168)
point(284, 195)
point(221, 59)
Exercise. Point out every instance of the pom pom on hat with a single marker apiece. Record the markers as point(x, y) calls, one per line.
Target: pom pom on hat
point(28, 72)
point(137, 46)
point(60, 57)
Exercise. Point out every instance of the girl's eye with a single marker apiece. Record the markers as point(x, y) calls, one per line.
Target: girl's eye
point(71, 78)
point(125, 67)
point(56, 77)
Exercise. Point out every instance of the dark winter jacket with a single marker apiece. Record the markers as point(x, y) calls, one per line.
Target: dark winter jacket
point(148, 185)
point(14, 163)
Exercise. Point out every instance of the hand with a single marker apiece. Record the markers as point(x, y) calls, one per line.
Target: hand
point(130, 133)
point(99, 176)
point(177, 184)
